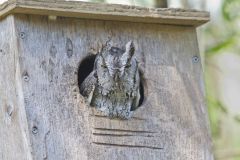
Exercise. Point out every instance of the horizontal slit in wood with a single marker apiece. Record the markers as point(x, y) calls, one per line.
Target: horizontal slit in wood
point(123, 130)
point(101, 116)
point(121, 135)
point(128, 146)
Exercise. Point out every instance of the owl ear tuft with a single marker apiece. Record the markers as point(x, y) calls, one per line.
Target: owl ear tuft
point(130, 49)
point(106, 46)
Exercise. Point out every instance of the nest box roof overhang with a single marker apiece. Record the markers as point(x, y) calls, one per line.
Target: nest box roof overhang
point(101, 11)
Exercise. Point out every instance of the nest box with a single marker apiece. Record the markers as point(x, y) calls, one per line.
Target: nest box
point(47, 48)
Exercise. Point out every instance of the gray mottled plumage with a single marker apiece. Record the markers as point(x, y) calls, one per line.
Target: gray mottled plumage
point(113, 86)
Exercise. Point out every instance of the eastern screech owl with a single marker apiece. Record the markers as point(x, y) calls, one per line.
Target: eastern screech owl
point(113, 85)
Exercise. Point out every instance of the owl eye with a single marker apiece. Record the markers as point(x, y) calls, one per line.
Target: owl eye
point(104, 66)
point(128, 65)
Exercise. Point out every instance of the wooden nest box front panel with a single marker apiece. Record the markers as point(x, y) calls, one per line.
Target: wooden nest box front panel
point(48, 48)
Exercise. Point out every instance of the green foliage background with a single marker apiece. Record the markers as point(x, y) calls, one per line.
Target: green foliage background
point(222, 37)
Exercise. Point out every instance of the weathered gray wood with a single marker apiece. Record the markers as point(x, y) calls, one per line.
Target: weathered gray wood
point(104, 12)
point(171, 123)
point(14, 138)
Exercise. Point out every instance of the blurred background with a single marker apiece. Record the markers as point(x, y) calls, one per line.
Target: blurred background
point(220, 51)
point(219, 42)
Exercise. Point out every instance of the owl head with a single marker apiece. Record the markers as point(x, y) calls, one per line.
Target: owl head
point(114, 64)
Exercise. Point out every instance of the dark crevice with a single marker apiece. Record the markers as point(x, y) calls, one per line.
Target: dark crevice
point(85, 68)
point(123, 130)
point(120, 135)
point(128, 146)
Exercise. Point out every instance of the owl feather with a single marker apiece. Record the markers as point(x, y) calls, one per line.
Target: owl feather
point(113, 85)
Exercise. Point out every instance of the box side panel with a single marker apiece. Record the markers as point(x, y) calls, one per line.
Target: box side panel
point(14, 139)
point(57, 117)
point(171, 123)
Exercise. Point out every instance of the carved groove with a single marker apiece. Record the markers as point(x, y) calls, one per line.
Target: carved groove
point(129, 146)
point(120, 135)
point(137, 118)
point(101, 116)
point(123, 130)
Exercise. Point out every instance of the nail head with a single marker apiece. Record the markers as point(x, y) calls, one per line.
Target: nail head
point(195, 59)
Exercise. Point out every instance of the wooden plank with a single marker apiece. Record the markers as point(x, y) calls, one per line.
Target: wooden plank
point(14, 137)
point(171, 123)
point(104, 12)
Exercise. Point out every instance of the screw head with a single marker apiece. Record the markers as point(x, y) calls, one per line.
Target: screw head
point(34, 130)
point(195, 59)
point(26, 76)
point(22, 35)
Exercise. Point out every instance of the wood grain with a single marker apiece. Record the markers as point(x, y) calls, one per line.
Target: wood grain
point(102, 11)
point(172, 122)
point(14, 135)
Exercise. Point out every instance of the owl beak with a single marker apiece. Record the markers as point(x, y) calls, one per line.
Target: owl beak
point(117, 75)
